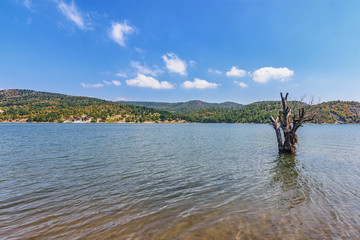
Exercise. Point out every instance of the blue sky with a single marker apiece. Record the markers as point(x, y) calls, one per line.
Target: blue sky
point(168, 50)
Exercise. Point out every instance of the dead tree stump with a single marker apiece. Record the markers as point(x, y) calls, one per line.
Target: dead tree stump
point(288, 124)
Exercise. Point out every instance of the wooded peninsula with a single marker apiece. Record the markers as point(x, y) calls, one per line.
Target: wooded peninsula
point(33, 106)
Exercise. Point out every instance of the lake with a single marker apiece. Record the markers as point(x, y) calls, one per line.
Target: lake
point(177, 181)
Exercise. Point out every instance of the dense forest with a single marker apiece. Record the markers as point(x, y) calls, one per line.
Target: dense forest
point(260, 112)
point(183, 106)
point(33, 106)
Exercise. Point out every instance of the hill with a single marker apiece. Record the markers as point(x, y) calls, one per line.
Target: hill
point(183, 106)
point(260, 112)
point(337, 112)
point(32, 106)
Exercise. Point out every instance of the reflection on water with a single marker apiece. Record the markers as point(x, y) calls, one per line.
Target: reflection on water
point(287, 174)
point(177, 181)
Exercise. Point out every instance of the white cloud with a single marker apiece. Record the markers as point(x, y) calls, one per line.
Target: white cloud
point(99, 85)
point(120, 31)
point(120, 74)
point(214, 71)
point(199, 83)
point(71, 12)
point(175, 64)
point(143, 69)
point(236, 72)
point(263, 75)
point(116, 83)
point(113, 82)
point(192, 63)
point(107, 83)
point(96, 85)
point(148, 82)
point(119, 99)
point(241, 84)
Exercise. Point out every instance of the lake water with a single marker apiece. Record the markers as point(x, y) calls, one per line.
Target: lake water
point(177, 181)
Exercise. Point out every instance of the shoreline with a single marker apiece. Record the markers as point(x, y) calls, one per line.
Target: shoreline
point(21, 122)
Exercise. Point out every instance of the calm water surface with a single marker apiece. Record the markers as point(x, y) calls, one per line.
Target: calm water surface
point(177, 181)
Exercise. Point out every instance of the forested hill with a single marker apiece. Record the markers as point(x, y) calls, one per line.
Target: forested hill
point(33, 106)
point(260, 112)
point(337, 112)
point(183, 106)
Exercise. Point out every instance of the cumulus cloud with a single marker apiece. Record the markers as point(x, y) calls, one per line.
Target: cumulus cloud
point(113, 82)
point(241, 84)
point(214, 71)
point(120, 31)
point(175, 64)
point(143, 69)
point(263, 75)
point(199, 84)
point(148, 82)
point(120, 74)
point(71, 12)
point(96, 85)
point(116, 83)
point(236, 72)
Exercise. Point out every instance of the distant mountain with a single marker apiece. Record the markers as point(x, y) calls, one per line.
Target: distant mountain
point(183, 106)
point(32, 106)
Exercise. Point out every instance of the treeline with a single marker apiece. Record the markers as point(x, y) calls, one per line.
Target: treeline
point(32, 106)
point(260, 112)
point(337, 112)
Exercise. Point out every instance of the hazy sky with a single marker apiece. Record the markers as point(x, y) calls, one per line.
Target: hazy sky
point(168, 50)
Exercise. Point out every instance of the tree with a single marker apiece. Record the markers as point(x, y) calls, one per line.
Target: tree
point(289, 123)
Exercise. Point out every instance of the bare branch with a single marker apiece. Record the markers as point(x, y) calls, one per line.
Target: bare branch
point(283, 100)
point(274, 122)
point(310, 119)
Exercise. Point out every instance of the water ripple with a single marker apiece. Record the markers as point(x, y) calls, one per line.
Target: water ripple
point(177, 181)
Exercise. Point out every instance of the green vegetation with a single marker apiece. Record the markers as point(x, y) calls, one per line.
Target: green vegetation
point(259, 112)
point(183, 106)
point(32, 106)
point(337, 112)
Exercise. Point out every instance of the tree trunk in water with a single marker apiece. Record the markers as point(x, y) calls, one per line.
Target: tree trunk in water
point(289, 124)
point(289, 145)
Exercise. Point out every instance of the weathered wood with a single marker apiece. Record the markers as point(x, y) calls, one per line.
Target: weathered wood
point(288, 123)
point(276, 126)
